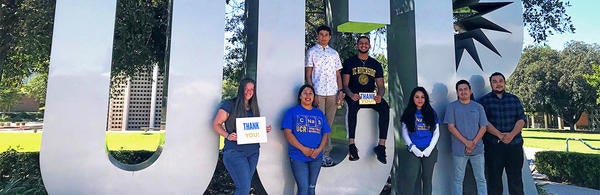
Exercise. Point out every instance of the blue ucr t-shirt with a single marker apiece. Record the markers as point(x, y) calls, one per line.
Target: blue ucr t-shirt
point(308, 126)
point(422, 135)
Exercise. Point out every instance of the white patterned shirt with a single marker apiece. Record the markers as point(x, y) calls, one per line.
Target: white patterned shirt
point(325, 61)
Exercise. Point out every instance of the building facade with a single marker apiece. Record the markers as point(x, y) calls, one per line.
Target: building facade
point(137, 104)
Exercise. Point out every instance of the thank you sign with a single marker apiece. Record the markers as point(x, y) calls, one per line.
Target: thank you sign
point(251, 130)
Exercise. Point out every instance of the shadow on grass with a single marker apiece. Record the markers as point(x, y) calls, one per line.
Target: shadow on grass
point(557, 138)
point(564, 131)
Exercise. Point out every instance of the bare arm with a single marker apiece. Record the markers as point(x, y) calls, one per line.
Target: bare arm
point(338, 77)
point(308, 75)
point(217, 125)
point(346, 81)
point(479, 134)
point(457, 134)
point(317, 151)
point(492, 130)
point(380, 90)
point(508, 137)
point(380, 86)
point(289, 136)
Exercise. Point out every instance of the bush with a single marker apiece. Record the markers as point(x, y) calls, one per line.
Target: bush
point(576, 168)
point(21, 116)
point(20, 173)
point(131, 156)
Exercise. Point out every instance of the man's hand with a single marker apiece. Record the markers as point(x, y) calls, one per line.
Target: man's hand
point(501, 136)
point(507, 138)
point(341, 97)
point(377, 99)
point(355, 97)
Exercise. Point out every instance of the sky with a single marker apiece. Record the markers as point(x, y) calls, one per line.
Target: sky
point(587, 27)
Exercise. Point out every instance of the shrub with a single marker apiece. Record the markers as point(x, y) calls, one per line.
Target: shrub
point(21, 116)
point(20, 173)
point(131, 156)
point(576, 168)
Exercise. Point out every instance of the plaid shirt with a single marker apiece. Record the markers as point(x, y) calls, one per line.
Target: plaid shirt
point(503, 113)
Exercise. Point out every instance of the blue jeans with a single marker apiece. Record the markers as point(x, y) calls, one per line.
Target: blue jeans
point(241, 167)
point(478, 164)
point(306, 174)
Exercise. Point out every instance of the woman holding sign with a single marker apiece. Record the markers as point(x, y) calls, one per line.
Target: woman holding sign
point(420, 132)
point(239, 159)
point(306, 129)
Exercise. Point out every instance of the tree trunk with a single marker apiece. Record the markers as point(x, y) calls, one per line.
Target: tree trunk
point(572, 127)
point(251, 33)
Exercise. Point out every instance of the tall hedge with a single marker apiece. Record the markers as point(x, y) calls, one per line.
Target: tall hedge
point(576, 168)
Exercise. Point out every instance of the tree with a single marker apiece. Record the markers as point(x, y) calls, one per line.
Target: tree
point(8, 98)
point(535, 77)
point(26, 35)
point(546, 17)
point(140, 38)
point(36, 87)
point(550, 81)
point(235, 50)
point(594, 80)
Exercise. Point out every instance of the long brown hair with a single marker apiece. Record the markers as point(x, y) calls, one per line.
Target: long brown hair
point(239, 107)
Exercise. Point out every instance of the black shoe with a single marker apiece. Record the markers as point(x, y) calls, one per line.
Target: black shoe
point(380, 151)
point(353, 156)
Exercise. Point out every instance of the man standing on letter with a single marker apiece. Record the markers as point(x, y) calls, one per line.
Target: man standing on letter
point(322, 71)
point(364, 74)
point(503, 141)
point(467, 123)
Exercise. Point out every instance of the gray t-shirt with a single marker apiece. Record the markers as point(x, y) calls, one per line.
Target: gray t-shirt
point(467, 118)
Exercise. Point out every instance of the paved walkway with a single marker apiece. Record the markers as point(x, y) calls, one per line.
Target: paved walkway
point(553, 188)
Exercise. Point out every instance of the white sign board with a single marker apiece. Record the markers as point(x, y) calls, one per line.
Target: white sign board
point(251, 130)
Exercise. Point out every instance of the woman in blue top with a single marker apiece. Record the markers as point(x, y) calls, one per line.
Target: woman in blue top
point(306, 129)
point(420, 132)
point(240, 160)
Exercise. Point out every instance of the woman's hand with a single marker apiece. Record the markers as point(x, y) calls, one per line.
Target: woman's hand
point(316, 153)
point(232, 137)
point(268, 128)
point(307, 151)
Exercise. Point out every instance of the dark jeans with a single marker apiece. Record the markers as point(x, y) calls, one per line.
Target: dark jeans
point(241, 167)
point(420, 173)
point(500, 157)
point(306, 174)
point(384, 116)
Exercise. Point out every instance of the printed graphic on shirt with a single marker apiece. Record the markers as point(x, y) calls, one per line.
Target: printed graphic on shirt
point(308, 124)
point(420, 125)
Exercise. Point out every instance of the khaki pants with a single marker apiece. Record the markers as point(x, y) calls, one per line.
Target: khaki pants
point(328, 104)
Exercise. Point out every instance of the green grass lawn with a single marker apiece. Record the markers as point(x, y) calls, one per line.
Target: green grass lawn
point(22, 142)
point(30, 142)
point(534, 138)
point(555, 140)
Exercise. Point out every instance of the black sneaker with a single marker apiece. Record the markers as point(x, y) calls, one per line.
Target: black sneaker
point(380, 151)
point(327, 161)
point(353, 156)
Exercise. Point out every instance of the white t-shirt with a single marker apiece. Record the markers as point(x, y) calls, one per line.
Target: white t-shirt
point(325, 62)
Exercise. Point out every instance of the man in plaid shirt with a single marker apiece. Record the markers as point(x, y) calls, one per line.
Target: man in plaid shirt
point(503, 141)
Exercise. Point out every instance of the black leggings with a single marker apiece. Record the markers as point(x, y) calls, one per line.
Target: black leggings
point(384, 116)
